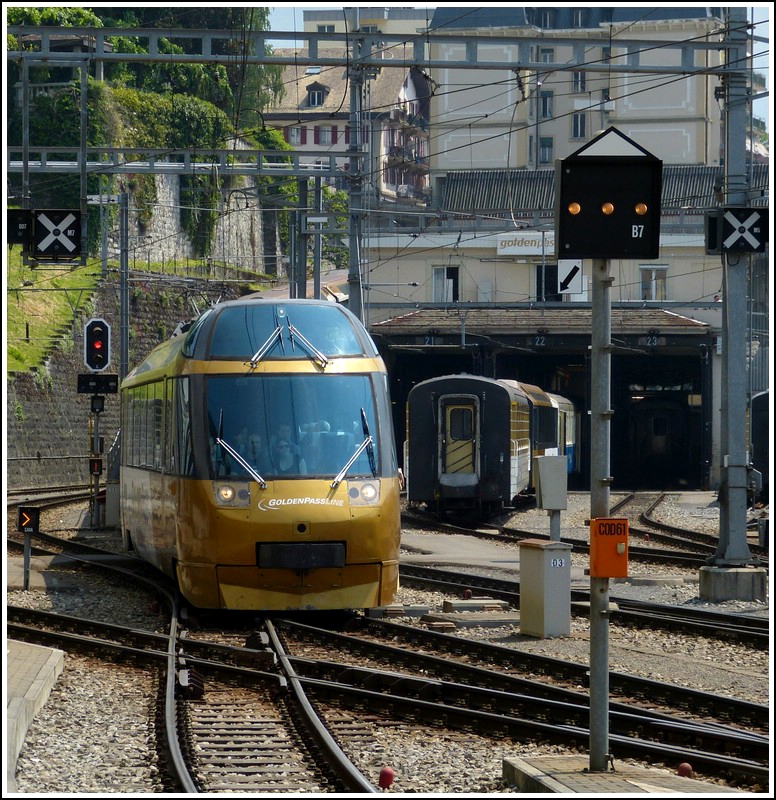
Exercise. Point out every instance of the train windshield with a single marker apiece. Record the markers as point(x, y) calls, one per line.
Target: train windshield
point(259, 331)
point(292, 425)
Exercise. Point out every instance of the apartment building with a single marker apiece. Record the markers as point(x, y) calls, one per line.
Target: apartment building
point(473, 283)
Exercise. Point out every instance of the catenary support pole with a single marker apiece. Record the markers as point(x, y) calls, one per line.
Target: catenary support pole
point(600, 481)
point(733, 549)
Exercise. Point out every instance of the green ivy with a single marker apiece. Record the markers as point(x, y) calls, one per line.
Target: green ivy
point(199, 196)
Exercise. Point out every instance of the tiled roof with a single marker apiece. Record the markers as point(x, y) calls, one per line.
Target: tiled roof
point(454, 17)
point(506, 321)
point(684, 186)
point(384, 89)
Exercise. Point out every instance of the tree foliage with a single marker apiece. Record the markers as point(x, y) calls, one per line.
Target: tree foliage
point(160, 104)
point(239, 89)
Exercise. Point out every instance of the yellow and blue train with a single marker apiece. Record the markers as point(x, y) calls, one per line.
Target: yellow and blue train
point(258, 460)
point(471, 441)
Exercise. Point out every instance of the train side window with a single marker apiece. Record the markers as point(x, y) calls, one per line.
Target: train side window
point(461, 427)
point(182, 459)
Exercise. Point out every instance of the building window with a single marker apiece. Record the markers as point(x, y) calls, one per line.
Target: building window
point(547, 283)
point(546, 55)
point(324, 134)
point(315, 98)
point(546, 18)
point(325, 29)
point(578, 16)
point(295, 136)
point(653, 282)
point(579, 126)
point(578, 82)
point(545, 150)
point(545, 105)
point(445, 285)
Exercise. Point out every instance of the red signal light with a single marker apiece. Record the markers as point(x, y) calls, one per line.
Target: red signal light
point(97, 344)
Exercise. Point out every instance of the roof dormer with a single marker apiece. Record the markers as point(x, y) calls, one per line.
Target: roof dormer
point(316, 94)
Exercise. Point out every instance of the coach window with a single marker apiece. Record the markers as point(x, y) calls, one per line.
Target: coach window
point(653, 282)
point(156, 411)
point(181, 456)
point(461, 424)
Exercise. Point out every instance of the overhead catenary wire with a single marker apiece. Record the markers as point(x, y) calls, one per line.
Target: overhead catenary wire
point(469, 125)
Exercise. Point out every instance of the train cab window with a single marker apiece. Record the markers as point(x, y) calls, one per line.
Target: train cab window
point(320, 417)
point(461, 424)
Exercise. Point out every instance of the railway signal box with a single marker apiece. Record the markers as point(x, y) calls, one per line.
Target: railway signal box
point(737, 229)
point(18, 229)
point(607, 200)
point(609, 547)
point(97, 344)
point(29, 519)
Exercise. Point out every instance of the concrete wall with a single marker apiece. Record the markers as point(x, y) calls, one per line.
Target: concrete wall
point(239, 238)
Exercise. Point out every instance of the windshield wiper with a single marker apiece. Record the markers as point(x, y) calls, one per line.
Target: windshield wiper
point(341, 474)
point(242, 462)
point(368, 445)
point(312, 350)
point(370, 449)
point(267, 346)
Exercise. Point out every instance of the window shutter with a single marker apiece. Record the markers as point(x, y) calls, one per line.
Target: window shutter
point(304, 134)
point(334, 134)
point(347, 134)
point(316, 135)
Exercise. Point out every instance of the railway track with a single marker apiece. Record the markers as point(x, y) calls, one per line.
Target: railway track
point(46, 497)
point(656, 530)
point(245, 729)
point(723, 739)
point(682, 547)
point(752, 631)
point(238, 727)
point(434, 676)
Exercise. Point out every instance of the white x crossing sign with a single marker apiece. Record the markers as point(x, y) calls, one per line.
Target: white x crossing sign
point(744, 230)
point(57, 234)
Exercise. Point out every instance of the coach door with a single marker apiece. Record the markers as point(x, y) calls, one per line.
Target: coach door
point(459, 440)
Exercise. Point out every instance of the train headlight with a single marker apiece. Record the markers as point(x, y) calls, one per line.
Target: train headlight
point(364, 493)
point(229, 494)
